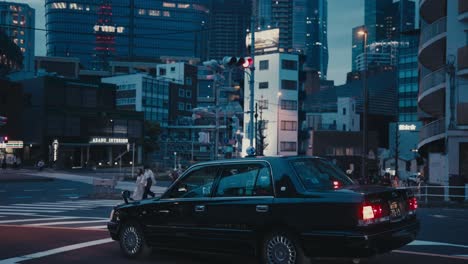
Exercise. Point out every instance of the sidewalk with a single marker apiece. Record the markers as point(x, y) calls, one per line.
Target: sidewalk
point(17, 175)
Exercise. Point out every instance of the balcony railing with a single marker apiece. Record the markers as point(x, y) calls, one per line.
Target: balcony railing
point(432, 79)
point(462, 58)
point(432, 129)
point(462, 6)
point(431, 30)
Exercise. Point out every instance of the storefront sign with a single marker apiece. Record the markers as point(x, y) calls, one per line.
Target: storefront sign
point(407, 127)
point(104, 140)
point(12, 144)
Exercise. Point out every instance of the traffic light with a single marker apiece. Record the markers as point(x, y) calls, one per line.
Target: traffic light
point(5, 139)
point(244, 62)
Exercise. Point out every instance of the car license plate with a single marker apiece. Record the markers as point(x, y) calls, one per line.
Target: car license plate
point(395, 209)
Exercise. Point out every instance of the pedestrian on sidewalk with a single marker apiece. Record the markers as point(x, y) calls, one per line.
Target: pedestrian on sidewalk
point(139, 186)
point(149, 179)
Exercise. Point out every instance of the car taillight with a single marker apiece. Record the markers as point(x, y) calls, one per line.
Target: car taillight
point(412, 205)
point(371, 214)
point(336, 185)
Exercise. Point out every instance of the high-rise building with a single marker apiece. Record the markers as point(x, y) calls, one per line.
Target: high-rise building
point(229, 21)
point(18, 22)
point(384, 20)
point(97, 30)
point(443, 90)
point(303, 28)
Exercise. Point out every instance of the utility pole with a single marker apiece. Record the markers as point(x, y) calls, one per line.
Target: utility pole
point(252, 71)
point(256, 126)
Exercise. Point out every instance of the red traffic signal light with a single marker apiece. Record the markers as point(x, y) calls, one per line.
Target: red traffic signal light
point(248, 62)
point(5, 139)
point(244, 62)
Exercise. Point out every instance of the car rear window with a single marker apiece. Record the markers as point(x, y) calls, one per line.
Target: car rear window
point(320, 174)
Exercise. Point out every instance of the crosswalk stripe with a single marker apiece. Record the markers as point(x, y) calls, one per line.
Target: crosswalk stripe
point(29, 211)
point(68, 223)
point(11, 213)
point(34, 207)
point(35, 219)
point(55, 206)
point(78, 204)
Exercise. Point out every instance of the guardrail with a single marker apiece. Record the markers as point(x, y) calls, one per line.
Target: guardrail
point(432, 79)
point(433, 193)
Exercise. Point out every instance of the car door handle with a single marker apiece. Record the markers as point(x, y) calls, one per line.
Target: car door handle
point(262, 208)
point(199, 208)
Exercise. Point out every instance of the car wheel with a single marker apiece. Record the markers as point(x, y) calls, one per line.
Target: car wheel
point(282, 248)
point(132, 241)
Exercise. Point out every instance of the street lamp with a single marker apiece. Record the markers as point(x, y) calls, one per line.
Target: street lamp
point(364, 33)
point(175, 160)
point(279, 94)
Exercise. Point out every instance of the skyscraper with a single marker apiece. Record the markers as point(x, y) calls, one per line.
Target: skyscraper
point(18, 22)
point(229, 21)
point(303, 28)
point(96, 30)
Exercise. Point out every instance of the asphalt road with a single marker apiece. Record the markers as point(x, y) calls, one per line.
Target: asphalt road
point(51, 227)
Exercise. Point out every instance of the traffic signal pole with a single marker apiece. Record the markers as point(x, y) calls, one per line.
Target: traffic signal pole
point(252, 71)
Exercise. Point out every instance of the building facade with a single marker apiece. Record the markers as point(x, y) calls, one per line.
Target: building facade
point(276, 94)
point(443, 56)
point(97, 31)
point(229, 22)
point(76, 124)
point(18, 23)
point(303, 29)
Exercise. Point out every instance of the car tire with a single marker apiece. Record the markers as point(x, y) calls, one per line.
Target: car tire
point(282, 248)
point(132, 241)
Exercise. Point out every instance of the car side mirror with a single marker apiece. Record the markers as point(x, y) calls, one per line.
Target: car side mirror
point(126, 196)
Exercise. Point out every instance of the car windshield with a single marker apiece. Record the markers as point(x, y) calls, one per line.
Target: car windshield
point(320, 174)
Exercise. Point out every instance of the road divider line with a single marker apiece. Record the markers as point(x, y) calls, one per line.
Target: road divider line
point(55, 251)
point(36, 219)
point(34, 190)
point(423, 254)
point(22, 214)
point(67, 189)
point(68, 222)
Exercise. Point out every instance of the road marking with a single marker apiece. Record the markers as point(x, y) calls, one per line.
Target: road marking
point(34, 190)
point(423, 254)
point(54, 206)
point(56, 251)
point(22, 197)
point(34, 207)
point(36, 219)
point(67, 189)
point(24, 214)
point(439, 216)
point(30, 211)
point(94, 227)
point(432, 243)
point(68, 222)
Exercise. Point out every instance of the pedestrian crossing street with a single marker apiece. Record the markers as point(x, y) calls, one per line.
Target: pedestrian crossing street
point(79, 214)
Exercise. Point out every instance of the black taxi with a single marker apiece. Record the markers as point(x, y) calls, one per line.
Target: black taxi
point(281, 209)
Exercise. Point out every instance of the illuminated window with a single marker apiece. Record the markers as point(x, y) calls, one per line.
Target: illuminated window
point(13, 8)
point(75, 6)
point(87, 8)
point(154, 12)
point(23, 50)
point(166, 14)
point(21, 41)
point(15, 41)
point(141, 11)
point(59, 5)
point(168, 4)
point(22, 33)
point(183, 5)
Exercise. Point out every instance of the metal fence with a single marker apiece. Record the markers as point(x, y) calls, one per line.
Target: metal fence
point(432, 193)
